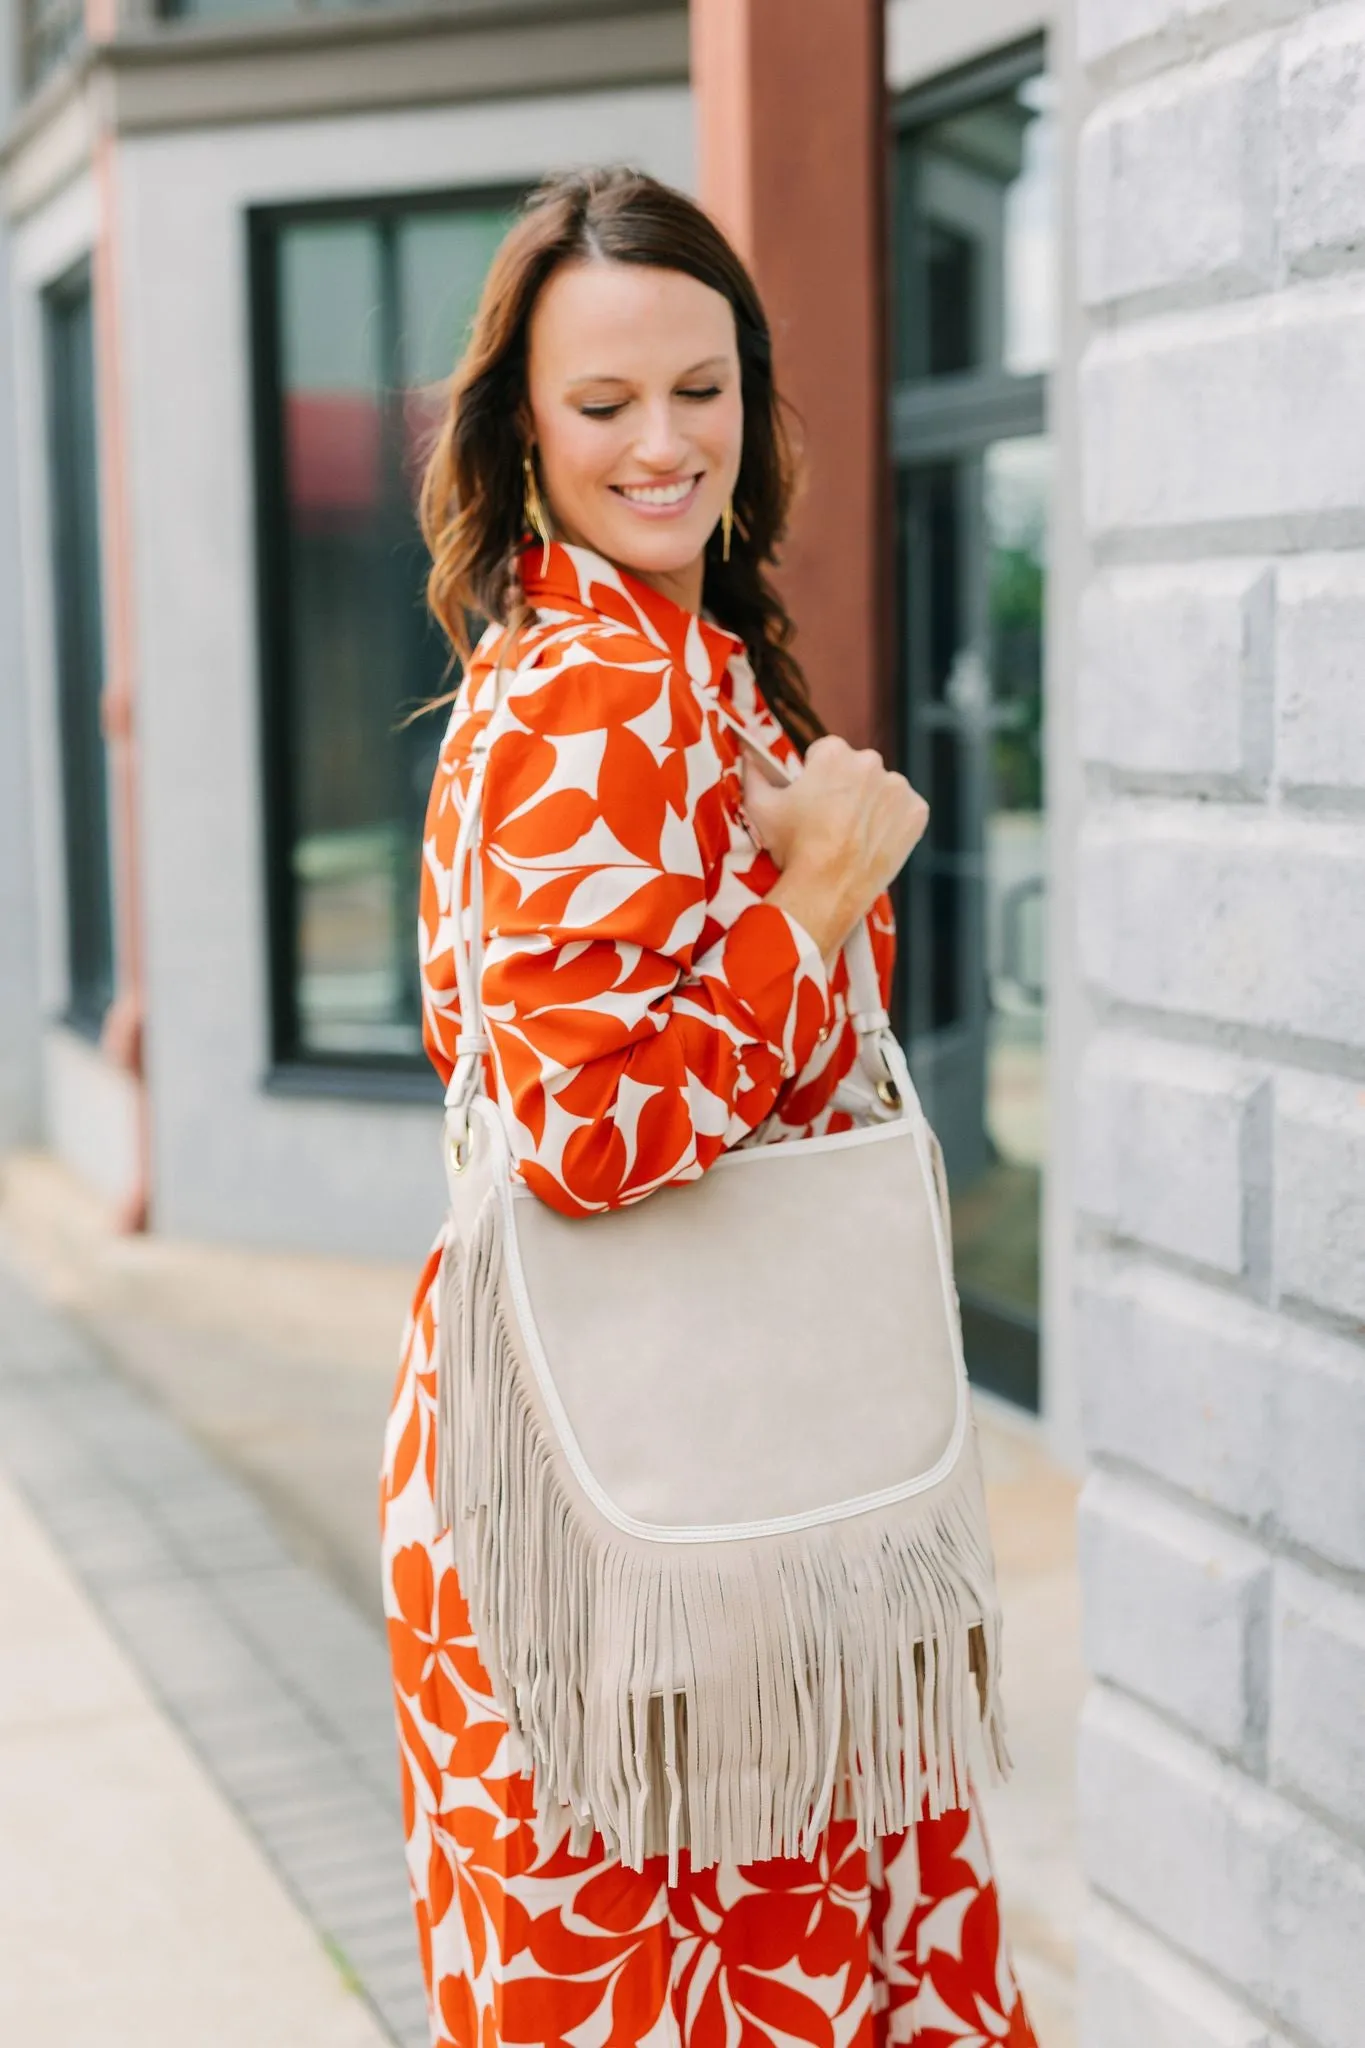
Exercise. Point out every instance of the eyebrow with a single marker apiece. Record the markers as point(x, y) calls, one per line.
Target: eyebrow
point(718, 362)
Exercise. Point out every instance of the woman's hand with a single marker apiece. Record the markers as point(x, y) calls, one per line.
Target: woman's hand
point(841, 832)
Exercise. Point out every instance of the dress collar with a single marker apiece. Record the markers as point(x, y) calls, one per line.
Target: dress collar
point(561, 578)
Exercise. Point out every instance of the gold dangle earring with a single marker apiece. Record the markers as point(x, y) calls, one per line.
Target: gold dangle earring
point(535, 510)
point(727, 527)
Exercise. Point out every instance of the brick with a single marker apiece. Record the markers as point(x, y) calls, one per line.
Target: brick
point(1253, 1414)
point(1246, 413)
point(40, 1346)
point(1221, 1869)
point(186, 1648)
point(1182, 1382)
point(1130, 37)
point(39, 1451)
point(1322, 139)
point(1317, 1499)
point(1317, 1719)
point(1201, 913)
point(1320, 1192)
point(1176, 1611)
point(1173, 1147)
point(309, 1633)
point(1180, 1840)
point(1175, 672)
point(1317, 1938)
point(108, 1541)
point(1207, 129)
point(1107, 26)
point(1134, 1993)
point(1320, 675)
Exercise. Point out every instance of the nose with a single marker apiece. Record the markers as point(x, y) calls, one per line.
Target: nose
point(660, 444)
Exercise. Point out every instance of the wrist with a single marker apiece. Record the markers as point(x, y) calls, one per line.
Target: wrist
point(819, 904)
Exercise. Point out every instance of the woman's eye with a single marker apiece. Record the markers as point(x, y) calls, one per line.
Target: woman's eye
point(701, 391)
point(601, 412)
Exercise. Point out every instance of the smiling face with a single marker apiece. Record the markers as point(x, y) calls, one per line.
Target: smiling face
point(634, 391)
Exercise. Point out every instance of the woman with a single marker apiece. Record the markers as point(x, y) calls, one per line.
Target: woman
point(662, 979)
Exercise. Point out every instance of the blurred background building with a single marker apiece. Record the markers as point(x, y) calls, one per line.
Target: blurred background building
point(1070, 304)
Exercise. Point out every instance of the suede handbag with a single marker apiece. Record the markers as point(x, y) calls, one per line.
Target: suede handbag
point(710, 1469)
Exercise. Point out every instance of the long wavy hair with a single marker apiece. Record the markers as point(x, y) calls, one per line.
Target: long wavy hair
point(472, 500)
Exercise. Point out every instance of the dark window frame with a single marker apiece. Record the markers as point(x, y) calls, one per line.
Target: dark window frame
point(952, 92)
point(291, 1068)
point(932, 419)
point(78, 647)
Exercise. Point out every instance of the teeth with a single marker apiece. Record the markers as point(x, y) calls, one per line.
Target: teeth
point(657, 494)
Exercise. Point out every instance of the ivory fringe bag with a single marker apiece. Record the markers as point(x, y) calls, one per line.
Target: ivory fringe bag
point(711, 1473)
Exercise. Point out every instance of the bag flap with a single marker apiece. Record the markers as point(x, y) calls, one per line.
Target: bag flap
point(776, 1340)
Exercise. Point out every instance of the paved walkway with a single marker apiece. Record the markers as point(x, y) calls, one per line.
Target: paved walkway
point(137, 1911)
point(230, 1694)
point(197, 1431)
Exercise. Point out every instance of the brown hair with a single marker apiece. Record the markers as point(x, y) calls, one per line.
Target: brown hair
point(472, 504)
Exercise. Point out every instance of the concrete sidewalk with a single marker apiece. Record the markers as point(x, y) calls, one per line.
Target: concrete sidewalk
point(137, 1911)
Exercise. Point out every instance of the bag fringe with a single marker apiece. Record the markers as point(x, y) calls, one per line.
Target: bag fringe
point(831, 1674)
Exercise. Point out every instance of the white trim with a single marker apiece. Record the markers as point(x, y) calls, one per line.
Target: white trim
point(749, 1155)
point(925, 38)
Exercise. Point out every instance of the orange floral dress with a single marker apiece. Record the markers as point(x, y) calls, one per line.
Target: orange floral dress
point(647, 1009)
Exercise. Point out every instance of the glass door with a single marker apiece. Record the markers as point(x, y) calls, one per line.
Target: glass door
point(973, 295)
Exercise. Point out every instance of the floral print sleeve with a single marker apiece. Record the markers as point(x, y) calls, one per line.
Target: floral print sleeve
point(633, 1038)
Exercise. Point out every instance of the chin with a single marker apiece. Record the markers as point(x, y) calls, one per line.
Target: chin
point(660, 554)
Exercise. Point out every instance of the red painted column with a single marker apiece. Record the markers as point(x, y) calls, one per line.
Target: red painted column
point(790, 99)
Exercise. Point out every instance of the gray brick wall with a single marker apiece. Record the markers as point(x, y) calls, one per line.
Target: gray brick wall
point(1220, 1161)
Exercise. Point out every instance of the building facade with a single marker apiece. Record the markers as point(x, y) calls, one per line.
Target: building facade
point(1070, 302)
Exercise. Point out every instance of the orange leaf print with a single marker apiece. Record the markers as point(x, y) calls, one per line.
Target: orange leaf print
point(557, 822)
point(533, 2009)
point(418, 1751)
point(610, 1898)
point(414, 1583)
point(459, 2012)
point(777, 2005)
point(409, 1445)
point(637, 1996)
point(630, 795)
point(584, 697)
point(440, 1882)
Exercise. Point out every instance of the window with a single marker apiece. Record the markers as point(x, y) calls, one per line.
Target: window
point(973, 297)
point(360, 314)
point(79, 648)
